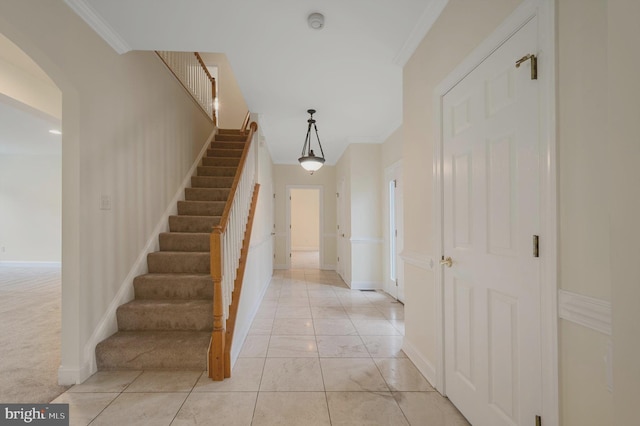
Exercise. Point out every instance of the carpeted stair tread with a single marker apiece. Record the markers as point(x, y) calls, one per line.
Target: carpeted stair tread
point(220, 162)
point(217, 171)
point(193, 223)
point(173, 286)
point(230, 137)
point(227, 144)
point(154, 350)
point(184, 241)
point(230, 132)
point(159, 314)
point(201, 208)
point(179, 262)
point(212, 181)
point(224, 153)
point(206, 194)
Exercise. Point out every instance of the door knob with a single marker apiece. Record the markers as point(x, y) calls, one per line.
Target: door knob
point(448, 262)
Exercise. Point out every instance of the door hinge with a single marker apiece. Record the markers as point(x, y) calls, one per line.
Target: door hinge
point(396, 233)
point(396, 282)
point(395, 183)
point(538, 421)
point(274, 195)
point(337, 195)
point(534, 64)
point(536, 246)
point(338, 258)
point(289, 254)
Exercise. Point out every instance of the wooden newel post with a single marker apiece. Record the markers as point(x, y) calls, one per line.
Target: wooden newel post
point(216, 354)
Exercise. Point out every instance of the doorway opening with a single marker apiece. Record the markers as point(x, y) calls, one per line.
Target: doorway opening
point(30, 227)
point(305, 237)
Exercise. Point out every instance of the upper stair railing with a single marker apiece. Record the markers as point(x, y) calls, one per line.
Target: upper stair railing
point(226, 245)
point(190, 70)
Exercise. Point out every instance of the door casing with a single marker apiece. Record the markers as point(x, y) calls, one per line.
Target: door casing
point(320, 188)
point(545, 12)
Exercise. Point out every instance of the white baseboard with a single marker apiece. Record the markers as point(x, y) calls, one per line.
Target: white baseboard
point(328, 267)
point(108, 323)
point(73, 376)
point(422, 363)
point(29, 263)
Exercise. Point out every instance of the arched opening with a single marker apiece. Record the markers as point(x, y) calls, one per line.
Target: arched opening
point(30, 228)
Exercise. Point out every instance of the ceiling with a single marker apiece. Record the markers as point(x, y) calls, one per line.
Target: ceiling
point(350, 71)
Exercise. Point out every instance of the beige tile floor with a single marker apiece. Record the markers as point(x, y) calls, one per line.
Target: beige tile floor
point(316, 354)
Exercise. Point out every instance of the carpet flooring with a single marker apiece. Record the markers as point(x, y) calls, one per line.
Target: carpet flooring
point(29, 333)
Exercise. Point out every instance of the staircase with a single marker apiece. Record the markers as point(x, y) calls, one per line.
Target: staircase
point(168, 325)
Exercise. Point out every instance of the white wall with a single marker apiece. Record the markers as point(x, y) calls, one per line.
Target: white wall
point(305, 219)
point(259, 267)
point(359, 168)
point(284, 175)
point(130, 132)
point(31, 213)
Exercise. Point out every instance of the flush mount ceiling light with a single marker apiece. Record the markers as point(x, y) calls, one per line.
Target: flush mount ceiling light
point(316, 21)
point(308, 160)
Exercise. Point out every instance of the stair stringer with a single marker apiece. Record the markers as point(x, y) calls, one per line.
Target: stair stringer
point(108, 323)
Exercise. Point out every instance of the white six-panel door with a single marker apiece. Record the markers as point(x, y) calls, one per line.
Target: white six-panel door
point(491, 213)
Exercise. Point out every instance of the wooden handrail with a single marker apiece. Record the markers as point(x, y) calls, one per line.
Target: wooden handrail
point(214, 92)
point(227, 208)
point(245, 123)
point(182, 75)
point(204, 67)
point(219, 354)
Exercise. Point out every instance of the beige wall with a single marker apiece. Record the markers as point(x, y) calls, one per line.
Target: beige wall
point(129, 132)
point(459, 29)
point(21, 79)
point(305, 219)
point(233, 107)
point(584, 249)
point(624, 202)
point(284, 175)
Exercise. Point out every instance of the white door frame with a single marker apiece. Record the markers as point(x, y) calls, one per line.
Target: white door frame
point(321, 218)
point(389, 172)
point(545, 11)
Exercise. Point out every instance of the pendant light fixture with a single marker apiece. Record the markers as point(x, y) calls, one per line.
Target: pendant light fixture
point(309, 161)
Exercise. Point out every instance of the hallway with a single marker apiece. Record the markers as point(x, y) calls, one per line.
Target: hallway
point(316, 354)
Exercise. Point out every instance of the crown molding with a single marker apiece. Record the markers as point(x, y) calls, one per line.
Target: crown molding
point(84, 10)
point(420, 30)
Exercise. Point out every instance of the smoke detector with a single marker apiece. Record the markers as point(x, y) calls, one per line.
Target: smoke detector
point(316, 21)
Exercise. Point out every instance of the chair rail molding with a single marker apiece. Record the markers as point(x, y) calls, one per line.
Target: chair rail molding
point(417, 259)
point(584, 310)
